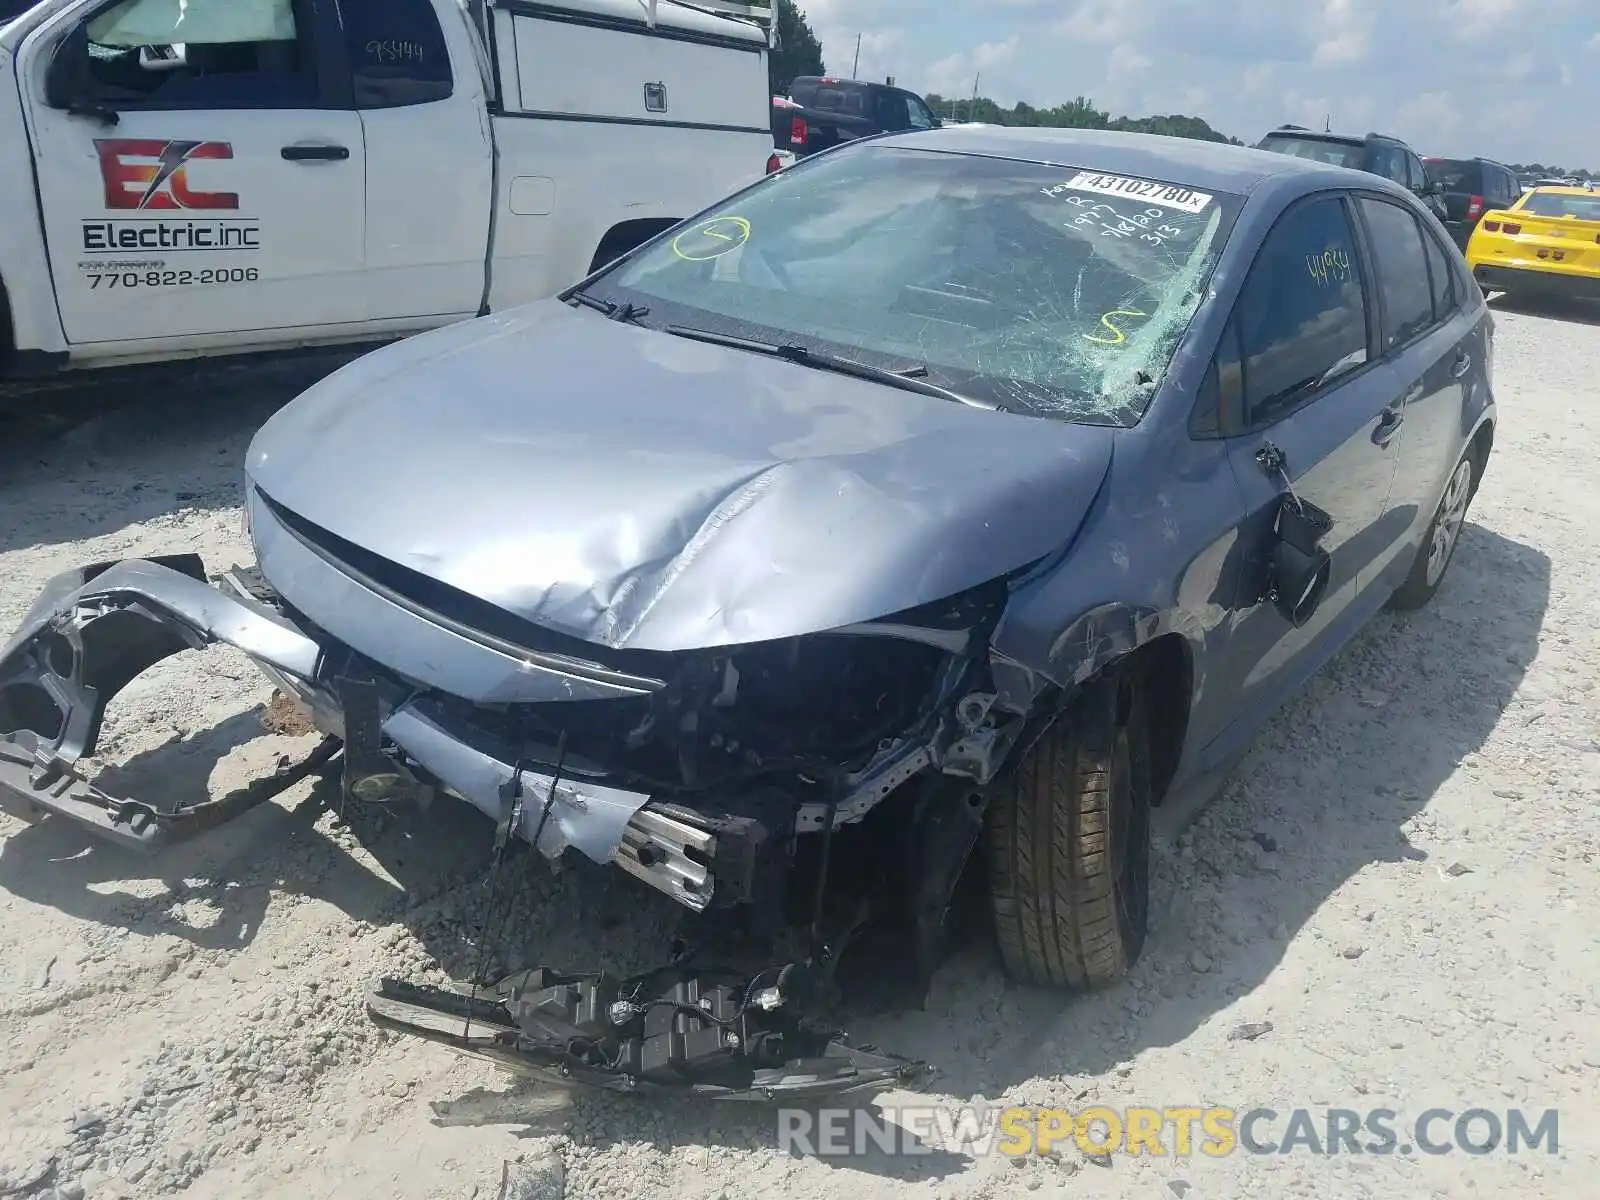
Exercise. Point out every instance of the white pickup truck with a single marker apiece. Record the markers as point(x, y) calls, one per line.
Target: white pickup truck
point(199, 177)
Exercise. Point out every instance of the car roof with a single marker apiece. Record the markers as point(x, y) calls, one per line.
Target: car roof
point(1321, 135)
point(1567, 189)
point(1209, 166)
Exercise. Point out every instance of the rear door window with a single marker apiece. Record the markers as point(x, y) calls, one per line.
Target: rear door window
point(397, 52)
point(1401, 264)
point(1301, 317)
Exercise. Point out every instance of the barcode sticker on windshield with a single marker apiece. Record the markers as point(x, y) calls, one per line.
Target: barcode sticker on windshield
point(1164, 194)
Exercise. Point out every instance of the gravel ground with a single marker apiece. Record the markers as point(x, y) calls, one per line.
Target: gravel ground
point(1400, 878)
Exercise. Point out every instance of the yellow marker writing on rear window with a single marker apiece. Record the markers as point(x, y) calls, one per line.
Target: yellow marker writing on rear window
point(1117, 336)
point(1331, 266)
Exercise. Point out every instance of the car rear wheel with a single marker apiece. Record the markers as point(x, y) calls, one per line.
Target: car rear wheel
point(1068, 845)
point(1439, 545)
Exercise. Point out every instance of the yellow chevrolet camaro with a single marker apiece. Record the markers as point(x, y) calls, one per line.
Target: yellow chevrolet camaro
point(1547, 243)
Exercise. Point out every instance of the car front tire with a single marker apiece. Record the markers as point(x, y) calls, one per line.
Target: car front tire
point(1438, 547)
point(1068, 845)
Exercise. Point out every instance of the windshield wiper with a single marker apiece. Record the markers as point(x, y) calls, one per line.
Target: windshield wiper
point(617, 312)
point(906, 378)
point(595, 302)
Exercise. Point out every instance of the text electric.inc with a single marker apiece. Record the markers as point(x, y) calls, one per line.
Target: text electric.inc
point(170, 235)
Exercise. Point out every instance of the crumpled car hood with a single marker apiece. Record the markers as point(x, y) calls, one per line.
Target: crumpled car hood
point(640, 490)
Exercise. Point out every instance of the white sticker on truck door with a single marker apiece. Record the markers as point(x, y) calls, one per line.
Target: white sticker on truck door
point(1164, 194)
point(157, 215)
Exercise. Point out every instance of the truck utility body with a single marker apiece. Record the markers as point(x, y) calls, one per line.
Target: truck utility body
point(220, 177)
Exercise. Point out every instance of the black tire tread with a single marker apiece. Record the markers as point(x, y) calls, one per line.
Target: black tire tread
point(1049, 848)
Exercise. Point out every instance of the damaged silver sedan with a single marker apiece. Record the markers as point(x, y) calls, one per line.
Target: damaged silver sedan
point(906, 504)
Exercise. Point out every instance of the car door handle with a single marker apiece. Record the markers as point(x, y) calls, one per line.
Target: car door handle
point(315, 153)
point(1462, 365)
point(1388, 425)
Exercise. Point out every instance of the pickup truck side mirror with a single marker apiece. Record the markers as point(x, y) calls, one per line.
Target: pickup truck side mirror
point(66, 83)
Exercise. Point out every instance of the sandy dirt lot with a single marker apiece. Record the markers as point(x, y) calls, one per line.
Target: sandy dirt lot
point(1401, 879)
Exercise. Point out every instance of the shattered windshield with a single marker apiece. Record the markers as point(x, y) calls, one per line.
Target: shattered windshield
point(1042, 289)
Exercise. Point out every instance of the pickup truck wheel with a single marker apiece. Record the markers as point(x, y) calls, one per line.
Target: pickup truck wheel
point(1439, 544)
point(1068, 845)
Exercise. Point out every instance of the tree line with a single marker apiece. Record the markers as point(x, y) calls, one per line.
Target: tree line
point(800, 53)
point(1078, 113)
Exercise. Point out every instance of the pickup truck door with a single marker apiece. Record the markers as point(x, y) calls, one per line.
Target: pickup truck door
point(201, 176)
point(414, 65)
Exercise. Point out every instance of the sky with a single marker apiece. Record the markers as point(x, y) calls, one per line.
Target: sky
point(1514, 80)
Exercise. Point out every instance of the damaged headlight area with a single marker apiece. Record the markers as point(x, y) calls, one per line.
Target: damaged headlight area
point(740, 751)
point(831, 783)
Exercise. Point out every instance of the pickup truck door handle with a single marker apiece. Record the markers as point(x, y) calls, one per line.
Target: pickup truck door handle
point(1388, 425)
point(1462, 365)
point(315, 153)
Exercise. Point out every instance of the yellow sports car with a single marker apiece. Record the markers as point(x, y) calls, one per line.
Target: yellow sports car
point(1547, 243)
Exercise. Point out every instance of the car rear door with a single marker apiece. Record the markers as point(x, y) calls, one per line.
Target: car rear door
point(210, 177)
point(1312, 410)
point(1433, 335)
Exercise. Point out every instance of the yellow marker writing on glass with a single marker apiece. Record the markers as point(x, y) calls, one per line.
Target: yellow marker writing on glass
point(1117, 336)
point(711, 240)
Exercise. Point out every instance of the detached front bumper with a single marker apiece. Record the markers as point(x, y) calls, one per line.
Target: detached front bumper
point(91, 631)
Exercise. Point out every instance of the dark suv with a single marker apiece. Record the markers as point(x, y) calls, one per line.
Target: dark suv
point(1471, 187)
point(1375, 153)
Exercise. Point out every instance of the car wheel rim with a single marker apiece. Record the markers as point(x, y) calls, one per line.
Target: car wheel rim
point(1130, 847)
point(1447, 525)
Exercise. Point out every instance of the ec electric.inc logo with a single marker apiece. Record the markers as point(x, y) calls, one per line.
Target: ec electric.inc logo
point(148, 173)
